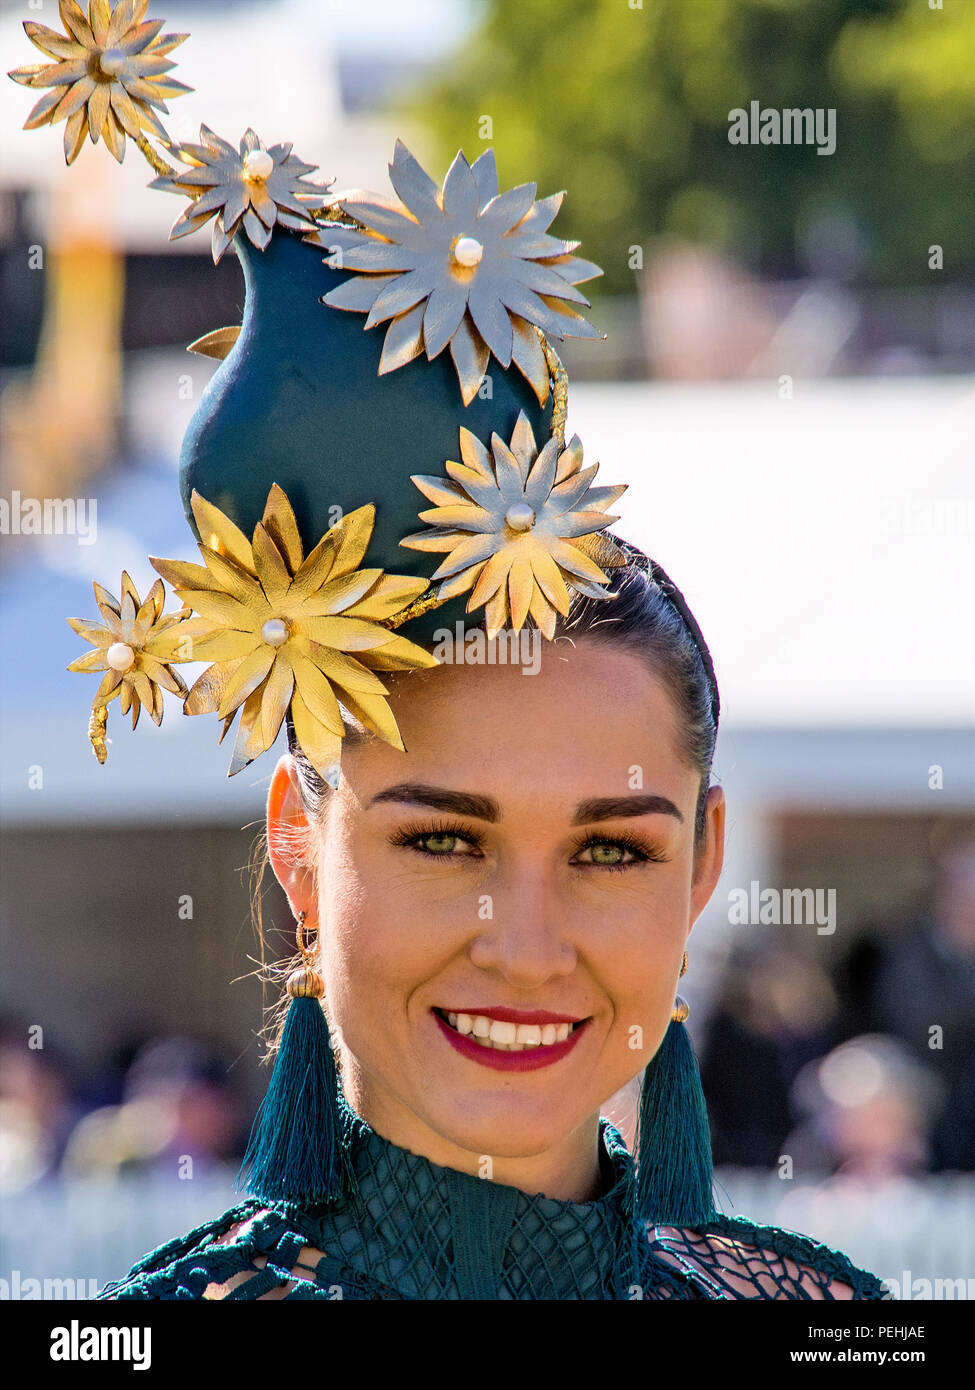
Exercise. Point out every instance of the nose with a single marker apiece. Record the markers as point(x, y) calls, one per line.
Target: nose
point(525, 938)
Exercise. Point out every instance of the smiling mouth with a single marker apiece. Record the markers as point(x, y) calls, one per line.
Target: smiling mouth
point(508, 1037)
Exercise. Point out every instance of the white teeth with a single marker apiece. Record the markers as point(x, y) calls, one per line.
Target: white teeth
point(509, 1037)
point(503, 1032)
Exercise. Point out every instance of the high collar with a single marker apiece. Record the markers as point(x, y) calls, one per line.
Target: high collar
point(427, 1231)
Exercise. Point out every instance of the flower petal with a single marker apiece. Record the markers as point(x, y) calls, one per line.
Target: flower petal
point(272, 571)
point(403, 341)
point(73, 19)
point(91, 661)
point(521, 582)
point(442, 316)
point(43, 112)
point(404, 291)
point(98, 104)
point(245, 680)
point(277, 697)
point(218, 608)
point(183, 575)
point(249, 743)
point(359, 292)
point(373, 711)
point(280, 524)
point(316, 693)
point(460, 198)
point(485, 171)
point(493, 577)
point(321, 746)
point(528, 356)
point(207, 691)
point(344, 634)
point(219, 532)
point(232, 580)
point(414, 186)
point(491, 319)
point(387, 597)
point(470, 354)
point(505, 211)
point(51, 42)
point(338, 593)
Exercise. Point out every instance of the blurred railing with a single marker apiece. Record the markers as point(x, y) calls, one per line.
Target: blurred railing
point(77, 1236)
point(909, 1231)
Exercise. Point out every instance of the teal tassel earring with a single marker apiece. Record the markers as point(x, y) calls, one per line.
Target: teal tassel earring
point(296, 1151)
point(674, 1172)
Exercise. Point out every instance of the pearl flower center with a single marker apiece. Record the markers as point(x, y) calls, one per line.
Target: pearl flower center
point(275, 632)
point(468, 252)
point(258, 166)
point(120, 656)
point(112, 61)
point(520, 516)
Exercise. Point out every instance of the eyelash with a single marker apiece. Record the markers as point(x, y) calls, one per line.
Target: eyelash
point(408, 835)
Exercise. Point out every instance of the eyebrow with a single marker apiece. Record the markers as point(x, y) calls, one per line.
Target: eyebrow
point(587, 812)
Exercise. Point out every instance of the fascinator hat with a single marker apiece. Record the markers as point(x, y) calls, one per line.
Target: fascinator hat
point(380, 455)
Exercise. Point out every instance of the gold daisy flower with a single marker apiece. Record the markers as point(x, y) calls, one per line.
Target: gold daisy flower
point(279, 627)
point(250, 187)
point(519, 532)
point(107, 75)
point(134, 648)
point(462, 265)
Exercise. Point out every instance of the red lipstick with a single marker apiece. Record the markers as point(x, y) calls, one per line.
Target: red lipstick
point(531, 1059)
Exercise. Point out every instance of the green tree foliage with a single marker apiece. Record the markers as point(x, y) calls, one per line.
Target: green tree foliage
point(628, 108)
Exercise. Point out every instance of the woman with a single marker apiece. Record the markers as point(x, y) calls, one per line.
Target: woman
point(495, 867)
point(505, 869)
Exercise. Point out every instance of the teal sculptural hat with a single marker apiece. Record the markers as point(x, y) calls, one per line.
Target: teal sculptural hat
point(380, 455)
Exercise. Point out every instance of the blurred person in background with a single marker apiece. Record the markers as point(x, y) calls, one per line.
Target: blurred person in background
point(178, 1117)
point(867, 1111)
point(915, 980)
point(775, 1011)
point(37, 1107)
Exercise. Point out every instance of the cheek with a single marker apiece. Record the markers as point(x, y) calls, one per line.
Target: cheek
point(376, 946)
point(640, 959)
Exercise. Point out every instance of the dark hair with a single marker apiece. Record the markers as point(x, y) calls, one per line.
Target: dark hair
point(648, 618)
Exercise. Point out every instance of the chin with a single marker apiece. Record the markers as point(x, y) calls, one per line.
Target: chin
point(505, 1126)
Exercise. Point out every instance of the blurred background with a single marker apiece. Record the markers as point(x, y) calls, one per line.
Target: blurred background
point(786, 385)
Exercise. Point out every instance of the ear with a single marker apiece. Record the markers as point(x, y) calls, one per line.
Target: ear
point(710, 857)
point(288, 833)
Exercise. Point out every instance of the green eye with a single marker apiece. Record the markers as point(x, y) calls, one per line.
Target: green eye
point(621, 852)
point(607, 854)
point(440, 844)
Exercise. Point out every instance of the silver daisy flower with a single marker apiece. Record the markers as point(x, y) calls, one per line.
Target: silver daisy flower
point(518, 532)
point(109, 70)
point(252, 187)
point(462, 266)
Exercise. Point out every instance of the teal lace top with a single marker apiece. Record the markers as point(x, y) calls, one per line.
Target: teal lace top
point(419, 1231)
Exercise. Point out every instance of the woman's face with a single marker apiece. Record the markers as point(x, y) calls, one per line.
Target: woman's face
point(532, 852)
